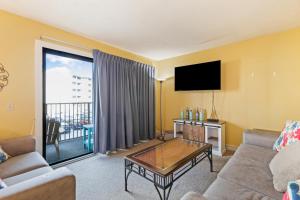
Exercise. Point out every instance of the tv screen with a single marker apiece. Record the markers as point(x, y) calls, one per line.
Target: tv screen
point(202, 76)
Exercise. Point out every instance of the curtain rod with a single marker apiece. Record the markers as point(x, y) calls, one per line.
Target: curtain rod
point(46, 38)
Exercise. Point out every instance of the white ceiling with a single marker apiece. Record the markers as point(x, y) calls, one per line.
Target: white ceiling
point(160, 29)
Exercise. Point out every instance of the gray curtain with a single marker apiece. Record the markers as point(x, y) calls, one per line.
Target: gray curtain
point(123, 102)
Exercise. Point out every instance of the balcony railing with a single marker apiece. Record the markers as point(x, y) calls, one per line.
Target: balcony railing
point(72, 117)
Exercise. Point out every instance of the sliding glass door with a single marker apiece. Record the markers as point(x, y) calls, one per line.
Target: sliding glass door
point(67, 96)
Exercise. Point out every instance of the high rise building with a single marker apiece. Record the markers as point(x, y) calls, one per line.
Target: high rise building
point(81, 88)
point(64, 86)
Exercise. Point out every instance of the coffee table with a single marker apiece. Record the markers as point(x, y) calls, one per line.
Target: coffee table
point(166, 162)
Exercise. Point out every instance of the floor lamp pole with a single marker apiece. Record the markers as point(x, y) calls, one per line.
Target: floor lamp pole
point(161, 137)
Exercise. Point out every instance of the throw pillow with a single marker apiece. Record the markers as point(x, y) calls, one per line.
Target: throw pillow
point(289, 135)
point(3, 156)
point(2, 184)
point(285, 166)
point(292, 192)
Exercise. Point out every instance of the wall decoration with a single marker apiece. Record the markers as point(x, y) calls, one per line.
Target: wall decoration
point(3, 77)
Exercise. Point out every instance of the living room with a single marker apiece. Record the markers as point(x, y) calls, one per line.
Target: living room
point(236, 139)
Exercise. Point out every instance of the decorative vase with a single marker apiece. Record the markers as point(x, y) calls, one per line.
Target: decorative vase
point(191, 114)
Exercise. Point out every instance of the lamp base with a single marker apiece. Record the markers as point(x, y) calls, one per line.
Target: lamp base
point(213, 120)
point(161, 138)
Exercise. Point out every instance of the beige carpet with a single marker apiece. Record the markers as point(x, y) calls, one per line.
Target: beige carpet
point(102, 177)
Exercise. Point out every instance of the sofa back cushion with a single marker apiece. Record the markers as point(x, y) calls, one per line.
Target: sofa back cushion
point(285, 166)
point(289, 135)
point(19, 145)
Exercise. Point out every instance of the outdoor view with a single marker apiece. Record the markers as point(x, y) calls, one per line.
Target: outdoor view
point(68, 98)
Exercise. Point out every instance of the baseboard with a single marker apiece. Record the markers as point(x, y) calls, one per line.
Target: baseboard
point(231, 147)
point(64, 163)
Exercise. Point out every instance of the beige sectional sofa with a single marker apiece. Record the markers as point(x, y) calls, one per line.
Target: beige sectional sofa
point(246, 175)
point(29, 177)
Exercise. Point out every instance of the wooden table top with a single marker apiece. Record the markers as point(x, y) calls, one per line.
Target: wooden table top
point(168, 156)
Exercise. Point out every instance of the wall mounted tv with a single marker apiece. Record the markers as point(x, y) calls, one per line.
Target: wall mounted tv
point(202, 76)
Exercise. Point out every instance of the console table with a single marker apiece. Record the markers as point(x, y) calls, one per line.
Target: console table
point(214, 133)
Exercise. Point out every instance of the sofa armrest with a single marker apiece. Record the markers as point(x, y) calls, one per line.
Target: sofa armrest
point(193, 196)
point(259, 137)
point(56, 185)
point(18, 146)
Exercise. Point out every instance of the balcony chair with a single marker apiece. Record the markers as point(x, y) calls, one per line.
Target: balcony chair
point(53, 134)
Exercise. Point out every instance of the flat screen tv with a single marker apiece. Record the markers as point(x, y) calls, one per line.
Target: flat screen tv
point(202, 76)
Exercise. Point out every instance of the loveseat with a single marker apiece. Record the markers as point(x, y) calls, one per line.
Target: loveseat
point(29, 177)
point(246, 175)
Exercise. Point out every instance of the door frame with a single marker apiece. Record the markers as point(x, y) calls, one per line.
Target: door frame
point(39, 90)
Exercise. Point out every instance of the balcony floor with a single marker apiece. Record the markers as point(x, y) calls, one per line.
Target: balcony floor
point(68, 149)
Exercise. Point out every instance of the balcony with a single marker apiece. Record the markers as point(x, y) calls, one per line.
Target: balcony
point(65, 130)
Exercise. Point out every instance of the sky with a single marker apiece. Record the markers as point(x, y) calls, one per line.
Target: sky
point(59, 79)
point(79, 67)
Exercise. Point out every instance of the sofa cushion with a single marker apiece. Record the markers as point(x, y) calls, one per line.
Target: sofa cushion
point(193, 196)
point(250, 172)
point(255, 153)
point(285, 166)
point(226, 190)
point(21, 164)
point(60, 184)
point(260, 137)
point(27, 175)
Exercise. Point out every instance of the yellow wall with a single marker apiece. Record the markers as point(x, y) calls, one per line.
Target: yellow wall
point(17, 40)
point(260, 84)
point(245, 101)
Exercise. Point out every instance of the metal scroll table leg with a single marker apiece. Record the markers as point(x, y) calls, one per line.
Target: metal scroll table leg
point(127, 175)
point(210, 157)
point(163, 186)
point(165, 192)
